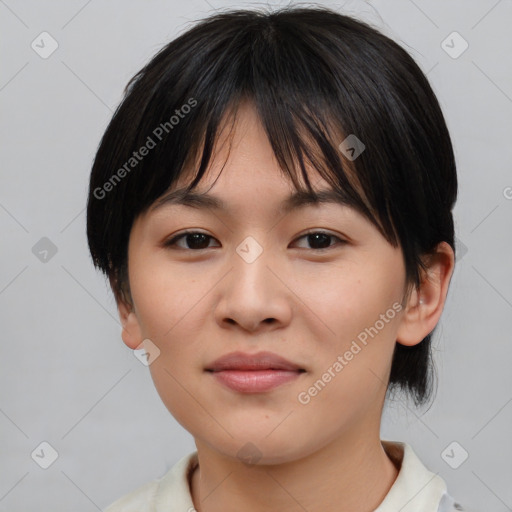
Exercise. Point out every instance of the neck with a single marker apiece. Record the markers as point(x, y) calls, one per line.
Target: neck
point(349, 474)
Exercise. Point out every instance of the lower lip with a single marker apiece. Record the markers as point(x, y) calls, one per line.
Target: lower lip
point(255, 381)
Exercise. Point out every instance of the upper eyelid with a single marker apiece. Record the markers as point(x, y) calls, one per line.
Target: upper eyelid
point(179, 236)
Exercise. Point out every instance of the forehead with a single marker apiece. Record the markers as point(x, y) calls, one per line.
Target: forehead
point(249, 168)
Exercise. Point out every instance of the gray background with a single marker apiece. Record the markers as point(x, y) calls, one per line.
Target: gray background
point(67, 378)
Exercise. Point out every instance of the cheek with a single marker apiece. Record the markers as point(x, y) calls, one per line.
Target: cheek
point(359, 311)
point(169, 306)
point(342, 302)
point(352, 367)
point(168, 299)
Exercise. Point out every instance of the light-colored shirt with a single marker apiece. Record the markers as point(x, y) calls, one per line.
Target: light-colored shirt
point(416, 489)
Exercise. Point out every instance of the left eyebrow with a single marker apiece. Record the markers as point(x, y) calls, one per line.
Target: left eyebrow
point(295, 201)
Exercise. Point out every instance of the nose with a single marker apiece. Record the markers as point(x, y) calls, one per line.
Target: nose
point(253, 295)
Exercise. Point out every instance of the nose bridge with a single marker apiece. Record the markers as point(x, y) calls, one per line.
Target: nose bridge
point(251, 266)
point(250, 250)
point(252, 294)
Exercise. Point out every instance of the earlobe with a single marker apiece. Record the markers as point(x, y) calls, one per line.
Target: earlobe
point(425, 304)
point(131, 331)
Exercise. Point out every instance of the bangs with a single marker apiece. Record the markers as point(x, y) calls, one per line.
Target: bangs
point(306, 116)
point(299, 141)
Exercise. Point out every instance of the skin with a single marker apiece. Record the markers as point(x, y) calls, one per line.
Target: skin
point(301, 303)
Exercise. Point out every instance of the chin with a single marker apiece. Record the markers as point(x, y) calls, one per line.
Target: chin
point(261, 449)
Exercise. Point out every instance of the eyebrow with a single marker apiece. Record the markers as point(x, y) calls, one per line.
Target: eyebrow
point(296, 200)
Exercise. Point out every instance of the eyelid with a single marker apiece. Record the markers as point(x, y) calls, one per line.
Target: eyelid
point(171, 242)
point(341, 240)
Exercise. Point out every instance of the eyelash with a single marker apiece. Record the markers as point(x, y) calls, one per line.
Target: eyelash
point(171, 243)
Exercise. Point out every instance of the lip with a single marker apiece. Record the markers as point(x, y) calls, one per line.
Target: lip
point(258, 361)
point(253, 373)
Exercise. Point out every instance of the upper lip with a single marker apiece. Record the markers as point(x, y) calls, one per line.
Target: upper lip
point(259, 361)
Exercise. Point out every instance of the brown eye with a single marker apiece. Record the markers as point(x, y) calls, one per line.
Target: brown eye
point(194, 240)
point(320, 240)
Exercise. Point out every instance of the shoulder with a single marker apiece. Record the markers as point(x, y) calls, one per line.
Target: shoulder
point(139, 500)
point(171, 492)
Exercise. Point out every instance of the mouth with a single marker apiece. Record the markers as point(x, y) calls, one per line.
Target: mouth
point(252, 362)
point(253, 373)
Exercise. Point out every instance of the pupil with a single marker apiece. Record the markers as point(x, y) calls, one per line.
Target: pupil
point(315, 238)
point(197, 238)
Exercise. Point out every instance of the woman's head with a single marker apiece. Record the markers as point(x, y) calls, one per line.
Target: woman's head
point(255, 106)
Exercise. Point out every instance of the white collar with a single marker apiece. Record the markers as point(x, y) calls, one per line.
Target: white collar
point(415, 488)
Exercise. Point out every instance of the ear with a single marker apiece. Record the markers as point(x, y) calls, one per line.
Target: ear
point(132, 332)
point(425, 305)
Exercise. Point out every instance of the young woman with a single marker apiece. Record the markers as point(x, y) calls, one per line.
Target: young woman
point(272, 203)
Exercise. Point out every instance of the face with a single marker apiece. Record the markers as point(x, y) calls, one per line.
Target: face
point(318, 286)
